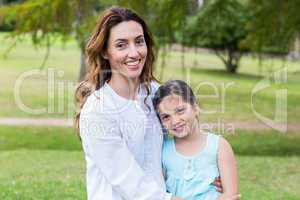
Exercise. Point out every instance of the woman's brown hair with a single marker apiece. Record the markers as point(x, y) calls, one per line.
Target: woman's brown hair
point(99, 70)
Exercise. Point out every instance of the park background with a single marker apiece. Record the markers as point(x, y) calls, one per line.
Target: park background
point(250, 46)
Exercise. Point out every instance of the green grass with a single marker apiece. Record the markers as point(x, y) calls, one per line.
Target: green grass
point(51, 174)
point(43, 138)
point(245, 143)
point(42, 174)
point(47, 163)
point(226, 104)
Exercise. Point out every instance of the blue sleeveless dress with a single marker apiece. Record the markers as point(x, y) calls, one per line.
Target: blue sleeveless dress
point(191, 177)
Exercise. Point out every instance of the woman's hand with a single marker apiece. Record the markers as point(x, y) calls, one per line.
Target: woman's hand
point(229, 197)
point(218, 184)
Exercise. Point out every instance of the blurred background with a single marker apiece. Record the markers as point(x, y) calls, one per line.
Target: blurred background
point(242, 58)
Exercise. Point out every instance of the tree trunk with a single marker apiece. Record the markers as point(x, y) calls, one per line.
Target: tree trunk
point(231, 68)
point(195, 63)
point(183, 59)
point(163, 61)
point(232, 62)
point(80, 36)
point(82, 71)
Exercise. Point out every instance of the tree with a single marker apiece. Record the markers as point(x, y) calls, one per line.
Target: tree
point(221, 26)
point(46, 20)
point(275, 25)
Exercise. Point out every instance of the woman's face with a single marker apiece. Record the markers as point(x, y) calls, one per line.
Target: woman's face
point(177, 116)
point(127, 49)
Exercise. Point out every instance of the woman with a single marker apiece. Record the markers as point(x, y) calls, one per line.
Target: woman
point(120, 132)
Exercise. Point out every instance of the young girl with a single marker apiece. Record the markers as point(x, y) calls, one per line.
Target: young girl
point(192, 159)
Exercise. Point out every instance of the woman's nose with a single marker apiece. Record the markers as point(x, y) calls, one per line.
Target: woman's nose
point(133, 51)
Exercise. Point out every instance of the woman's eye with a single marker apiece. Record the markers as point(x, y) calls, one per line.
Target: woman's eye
point(140, 41)
point(120, 45)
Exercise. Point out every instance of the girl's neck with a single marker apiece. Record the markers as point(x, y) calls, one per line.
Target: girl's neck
point(125, 87)
point(194, 135)
point(191, 137)
point(192, 144)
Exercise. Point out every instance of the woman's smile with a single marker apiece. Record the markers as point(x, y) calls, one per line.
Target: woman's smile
point(127, 50)
point(134, 65)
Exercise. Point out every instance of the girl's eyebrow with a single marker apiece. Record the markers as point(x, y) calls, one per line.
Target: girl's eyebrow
point(162, 114)
point(179, 108)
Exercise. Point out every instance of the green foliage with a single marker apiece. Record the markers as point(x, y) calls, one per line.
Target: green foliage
point(164, 17)
point(275, 25)
point(221, 25)
point(42, 18)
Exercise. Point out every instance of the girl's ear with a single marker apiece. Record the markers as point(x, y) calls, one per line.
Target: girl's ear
point(197, 110)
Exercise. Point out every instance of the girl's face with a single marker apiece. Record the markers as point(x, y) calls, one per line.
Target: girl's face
point(177, 116)
point(127, 49)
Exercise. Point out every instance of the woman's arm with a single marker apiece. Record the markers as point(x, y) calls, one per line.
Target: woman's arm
point(228, 170)
point(109, 151)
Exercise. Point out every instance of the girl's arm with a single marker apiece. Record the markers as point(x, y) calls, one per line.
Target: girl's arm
point(228, 170)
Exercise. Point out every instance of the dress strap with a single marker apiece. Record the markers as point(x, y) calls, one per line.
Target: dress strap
point(213, 143)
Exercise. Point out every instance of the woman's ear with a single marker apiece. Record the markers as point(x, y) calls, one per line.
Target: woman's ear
point(104, 55)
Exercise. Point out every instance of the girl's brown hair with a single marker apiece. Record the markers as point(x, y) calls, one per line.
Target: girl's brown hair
point(99, 70)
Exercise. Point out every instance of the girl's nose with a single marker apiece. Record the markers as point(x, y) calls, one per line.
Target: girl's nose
point(175, 120)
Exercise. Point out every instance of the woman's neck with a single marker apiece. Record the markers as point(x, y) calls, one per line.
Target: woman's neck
point(125, 87)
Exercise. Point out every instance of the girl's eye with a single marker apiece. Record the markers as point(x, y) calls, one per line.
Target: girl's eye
point(180, 110)
point(165, 118)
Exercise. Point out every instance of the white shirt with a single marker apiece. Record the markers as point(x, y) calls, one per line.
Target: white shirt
point(122, 142)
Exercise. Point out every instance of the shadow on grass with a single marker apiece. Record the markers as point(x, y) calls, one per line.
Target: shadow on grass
point(265, 143)
point(258, 143)
point(31, 137)
point(224, 74)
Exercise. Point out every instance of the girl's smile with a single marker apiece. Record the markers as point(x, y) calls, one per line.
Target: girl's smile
point(177, 116)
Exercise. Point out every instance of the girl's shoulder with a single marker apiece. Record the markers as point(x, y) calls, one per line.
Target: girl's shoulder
point(218, 143)
point(213, 141)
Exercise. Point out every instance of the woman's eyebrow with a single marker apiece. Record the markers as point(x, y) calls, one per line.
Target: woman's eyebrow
point(125, 40)
point(139, 36)
point(120, 40)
